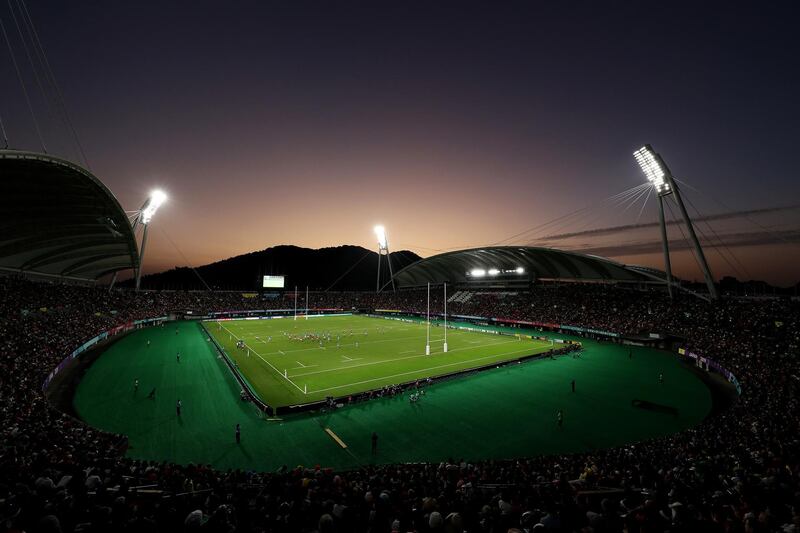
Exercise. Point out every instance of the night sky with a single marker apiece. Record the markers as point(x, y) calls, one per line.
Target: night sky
point(454, 124)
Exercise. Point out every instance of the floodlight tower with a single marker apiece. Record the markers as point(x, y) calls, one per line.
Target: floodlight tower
point(658, 173)
point(143, 217)
point(383, 249)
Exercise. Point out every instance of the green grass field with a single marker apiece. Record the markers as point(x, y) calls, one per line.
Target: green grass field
point(498, 413)
point(291, 362)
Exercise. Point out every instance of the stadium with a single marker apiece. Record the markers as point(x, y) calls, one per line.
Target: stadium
point(511, 387)
point(519, 366)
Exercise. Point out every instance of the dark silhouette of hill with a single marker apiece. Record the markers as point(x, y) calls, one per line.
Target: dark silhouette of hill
point(318, 269)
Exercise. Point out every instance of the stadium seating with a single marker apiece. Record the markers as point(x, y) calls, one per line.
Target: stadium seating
point(738, 471)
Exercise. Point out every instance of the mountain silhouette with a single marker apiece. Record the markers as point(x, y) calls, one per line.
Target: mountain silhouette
point(336, 268)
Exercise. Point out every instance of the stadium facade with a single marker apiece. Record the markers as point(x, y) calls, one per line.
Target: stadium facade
point(516, 266)
point(60, 221)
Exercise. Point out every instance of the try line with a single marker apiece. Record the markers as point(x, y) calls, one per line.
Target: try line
point(259, 356)
point(417, 371)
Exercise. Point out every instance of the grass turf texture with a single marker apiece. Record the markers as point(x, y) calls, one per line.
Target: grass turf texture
point(343, 355)
point(501, 413)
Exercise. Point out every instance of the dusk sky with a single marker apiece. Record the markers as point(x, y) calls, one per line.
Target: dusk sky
point(454, 124)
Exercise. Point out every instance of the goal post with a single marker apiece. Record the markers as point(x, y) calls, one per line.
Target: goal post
point(428, 328)
point(445, 318)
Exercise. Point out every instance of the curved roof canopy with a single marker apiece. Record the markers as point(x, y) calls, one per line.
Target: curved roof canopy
point(58, 219)
point(502, 262)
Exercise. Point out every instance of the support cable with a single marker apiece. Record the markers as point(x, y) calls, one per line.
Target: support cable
point(27, 50)
point(59, 96)
point(628, 202)
point(3, 131)
point(588, 218)
point(685, 238)
point(644, 204)
point(717, 247)
point(747, 218)
point(616, 203)
point(721, 243)
point(418, 247)
point(22, 84)
point(185, 259)
point(540, 227)
point(635, 200)
point(631, 197)
point(346, 272)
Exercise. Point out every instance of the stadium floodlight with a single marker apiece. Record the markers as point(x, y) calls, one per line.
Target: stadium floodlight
point(383, 249)
point(653, 167)
point(493, 271)
point(657, 173)
point(477, 272)
point(380, 233)
point(157, 197)
point(520, 270)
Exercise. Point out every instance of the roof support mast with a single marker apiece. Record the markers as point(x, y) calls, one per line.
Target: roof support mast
point(712, 289)
point(665, 244)
point(660, 176)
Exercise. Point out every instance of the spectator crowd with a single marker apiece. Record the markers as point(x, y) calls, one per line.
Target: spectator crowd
point(738, 471)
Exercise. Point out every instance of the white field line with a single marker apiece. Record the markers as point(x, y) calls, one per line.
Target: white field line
point(270, 364)
point(359, 330)
point(248, 326)
point(393, 360)
point(367, 343)
point(361, 344)
point(301, 367)
point(370, 342)
point(415, 371)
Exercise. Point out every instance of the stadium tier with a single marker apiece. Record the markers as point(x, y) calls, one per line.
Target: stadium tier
point(60, 221)
point(649, 439)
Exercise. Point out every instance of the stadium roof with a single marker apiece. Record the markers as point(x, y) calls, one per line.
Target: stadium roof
point(541, 263)
point(59, 220)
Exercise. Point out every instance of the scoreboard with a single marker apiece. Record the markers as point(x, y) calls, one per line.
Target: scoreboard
point(273, 282)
